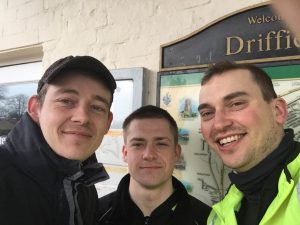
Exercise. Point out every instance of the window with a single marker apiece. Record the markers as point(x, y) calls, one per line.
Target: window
point(17, 84)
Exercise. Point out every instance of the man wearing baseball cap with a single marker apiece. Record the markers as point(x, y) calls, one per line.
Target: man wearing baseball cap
point(48, 167)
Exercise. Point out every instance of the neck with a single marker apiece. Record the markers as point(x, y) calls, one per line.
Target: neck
point(149, 198)
point(272, 145)
point(253, 179)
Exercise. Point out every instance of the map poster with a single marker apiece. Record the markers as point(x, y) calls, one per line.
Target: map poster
point(200, 170)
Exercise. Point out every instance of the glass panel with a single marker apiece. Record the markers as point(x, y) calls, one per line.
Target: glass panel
point(122, 104)
point(13, 103)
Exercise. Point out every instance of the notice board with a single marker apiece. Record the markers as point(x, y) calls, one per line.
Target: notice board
point(252, 35)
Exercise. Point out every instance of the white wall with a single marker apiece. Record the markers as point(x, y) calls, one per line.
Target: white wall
point(120, 33)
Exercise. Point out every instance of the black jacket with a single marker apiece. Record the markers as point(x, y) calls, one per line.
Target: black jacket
point(39, 187)
point(180, 208)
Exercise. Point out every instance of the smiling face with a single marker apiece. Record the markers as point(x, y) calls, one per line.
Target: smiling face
point(74, 116)
point(237, 122)
point(150, 152)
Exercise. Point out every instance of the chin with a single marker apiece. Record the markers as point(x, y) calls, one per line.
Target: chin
point(75, 157)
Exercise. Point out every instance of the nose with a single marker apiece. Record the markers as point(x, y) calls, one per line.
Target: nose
point(80, 115)
point(149, 152)
point(221, 121)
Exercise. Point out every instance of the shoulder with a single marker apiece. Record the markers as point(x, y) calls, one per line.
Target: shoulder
point(6, 164)
point(106, 202)
point(105, 205)
point(5, 169)
point(4, 156)
point(192, 210)
point(199, 210)
point(13, 176)
point(199, 205)
point(193, 207)
point(186, 198)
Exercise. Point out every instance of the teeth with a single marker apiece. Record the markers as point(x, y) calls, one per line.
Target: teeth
point(229, 139)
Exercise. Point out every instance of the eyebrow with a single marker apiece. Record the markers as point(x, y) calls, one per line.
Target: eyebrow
point(203, 106)
point(73, 91)
point(143, 139)
point(136, 139)
point(235, 95)
point(225, 98)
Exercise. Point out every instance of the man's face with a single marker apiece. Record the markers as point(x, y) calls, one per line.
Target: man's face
point(237, 122)
point(75, 115)
point(150, 152)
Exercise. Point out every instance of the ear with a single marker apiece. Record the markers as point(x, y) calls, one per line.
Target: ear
point(177, 152)
point(33, 108)
point(124, 153)
point(281, 111)
point(109, 120)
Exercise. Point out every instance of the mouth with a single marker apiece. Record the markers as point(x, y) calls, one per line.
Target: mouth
point(78, 133)
point(229, 139)
point(150, 167)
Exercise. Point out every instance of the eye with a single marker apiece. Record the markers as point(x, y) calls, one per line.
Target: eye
point(98, 108)
point(206, 115)
point(65, 101)
point(137, 144)
point(162, 144)
point(238, 105)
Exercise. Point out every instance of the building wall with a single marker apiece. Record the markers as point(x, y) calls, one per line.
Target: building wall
point(120, 33)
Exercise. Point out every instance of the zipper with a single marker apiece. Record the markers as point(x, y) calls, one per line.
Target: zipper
point(147, 220)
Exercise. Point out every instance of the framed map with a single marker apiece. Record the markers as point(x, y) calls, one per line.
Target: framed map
point(200, 169)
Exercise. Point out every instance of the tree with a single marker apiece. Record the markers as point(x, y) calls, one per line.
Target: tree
point(16, 106)
point(2, 92)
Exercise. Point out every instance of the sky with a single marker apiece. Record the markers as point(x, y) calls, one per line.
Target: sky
point(27, 89)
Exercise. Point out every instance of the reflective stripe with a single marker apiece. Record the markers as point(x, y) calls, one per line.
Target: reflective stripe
point(298, 192)
point(213, 221)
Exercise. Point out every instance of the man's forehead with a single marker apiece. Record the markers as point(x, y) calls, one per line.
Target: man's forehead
point(235, 78)
point(225, 86)
point(231, 75)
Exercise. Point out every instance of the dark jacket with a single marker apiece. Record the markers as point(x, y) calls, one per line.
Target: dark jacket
point(39, 187)
point(180, 208)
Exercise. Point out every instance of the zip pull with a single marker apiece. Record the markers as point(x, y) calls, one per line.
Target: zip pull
point(146, 220)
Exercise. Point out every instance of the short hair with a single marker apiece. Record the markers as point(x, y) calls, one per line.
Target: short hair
point(152, 112)
point(259, 76)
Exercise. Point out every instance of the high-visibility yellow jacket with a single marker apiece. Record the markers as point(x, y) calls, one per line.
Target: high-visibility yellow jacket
point(284, 209)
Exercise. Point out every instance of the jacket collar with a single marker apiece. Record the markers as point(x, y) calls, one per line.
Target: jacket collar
point(253, 180)
point(179, 196)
